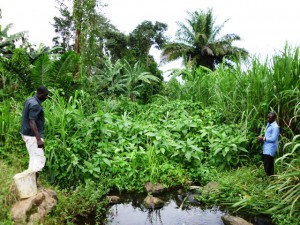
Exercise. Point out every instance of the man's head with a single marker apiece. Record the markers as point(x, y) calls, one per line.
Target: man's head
point(271, 117)
point(42, 93)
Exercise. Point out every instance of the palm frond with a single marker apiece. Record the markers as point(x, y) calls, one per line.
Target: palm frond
point(173, 51)
point(64, 69)
point(197, 41)
point(40, 72)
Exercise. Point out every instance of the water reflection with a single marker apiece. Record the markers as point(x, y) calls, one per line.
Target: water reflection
point(173, 213)
point(181, 208)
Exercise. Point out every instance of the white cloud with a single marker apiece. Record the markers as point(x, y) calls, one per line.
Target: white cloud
point(33, 16)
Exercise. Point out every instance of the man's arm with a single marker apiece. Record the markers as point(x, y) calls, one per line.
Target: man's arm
point(260, 138)
point(36, 133)
point(273, 137)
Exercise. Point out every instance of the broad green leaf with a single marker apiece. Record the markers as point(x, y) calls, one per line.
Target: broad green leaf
point(107, 161)
point(97, 169)
point(150, 134)
point(188, 155)
point(217, 151)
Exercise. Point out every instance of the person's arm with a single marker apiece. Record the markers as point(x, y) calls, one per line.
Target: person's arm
point(273, 136)
point(260, 138)
point(36, 133)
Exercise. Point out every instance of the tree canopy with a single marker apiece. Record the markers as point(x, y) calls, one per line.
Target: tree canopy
point(198, 42)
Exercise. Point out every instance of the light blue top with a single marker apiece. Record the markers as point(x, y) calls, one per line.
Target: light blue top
point(271, 141)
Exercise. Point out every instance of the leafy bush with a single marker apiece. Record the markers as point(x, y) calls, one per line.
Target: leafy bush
point(141, 144)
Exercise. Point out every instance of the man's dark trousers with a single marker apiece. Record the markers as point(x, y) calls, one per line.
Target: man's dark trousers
point(269, 165)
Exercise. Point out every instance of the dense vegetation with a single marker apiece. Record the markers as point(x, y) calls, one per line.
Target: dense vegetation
point(114, 123)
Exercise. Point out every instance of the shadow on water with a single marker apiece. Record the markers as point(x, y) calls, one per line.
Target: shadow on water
point(180, 208)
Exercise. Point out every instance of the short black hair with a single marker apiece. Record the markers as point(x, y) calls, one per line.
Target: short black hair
point(41, 90)
point(273, 114)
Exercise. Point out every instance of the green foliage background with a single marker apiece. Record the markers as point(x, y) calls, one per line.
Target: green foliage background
point(112, 123)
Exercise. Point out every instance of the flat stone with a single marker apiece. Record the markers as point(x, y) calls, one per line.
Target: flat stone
point(113, 199)
point(194, 187)
point(234, 220)
point(154, 188)
point(211, 187)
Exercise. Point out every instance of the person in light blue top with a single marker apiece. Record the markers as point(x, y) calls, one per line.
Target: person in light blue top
point(270, 145)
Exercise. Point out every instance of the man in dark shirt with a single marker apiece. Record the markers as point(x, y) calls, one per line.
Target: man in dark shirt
point(32, 129)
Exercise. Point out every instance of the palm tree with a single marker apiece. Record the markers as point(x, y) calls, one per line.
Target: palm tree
point(136, 76)
point(197, 42)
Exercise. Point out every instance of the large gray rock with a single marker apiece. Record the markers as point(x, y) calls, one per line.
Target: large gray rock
point(234, 220)
point(211, 187)
point(154, 188)
point(113, 199)
point(33, 210)
point(151, 202)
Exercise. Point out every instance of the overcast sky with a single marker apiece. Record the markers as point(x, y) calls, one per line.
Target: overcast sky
point(263, 25)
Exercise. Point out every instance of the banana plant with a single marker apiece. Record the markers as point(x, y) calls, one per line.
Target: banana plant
point(136, 77)
point(7, 42)
point(109, 80)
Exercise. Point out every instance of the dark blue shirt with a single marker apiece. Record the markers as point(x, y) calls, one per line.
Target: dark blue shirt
point(33, 110)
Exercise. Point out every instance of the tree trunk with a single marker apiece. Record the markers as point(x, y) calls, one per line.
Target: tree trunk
point(77, 13)
point(77, 41)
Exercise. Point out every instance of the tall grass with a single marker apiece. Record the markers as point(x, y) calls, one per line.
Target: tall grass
point(251, 92)
point(8, 192)
point(10, 120)
point(246, 96)
point(287, 183)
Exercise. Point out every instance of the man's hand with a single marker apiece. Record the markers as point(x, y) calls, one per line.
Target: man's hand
point(34, 129)
point(40, 143)
point(260, 138)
